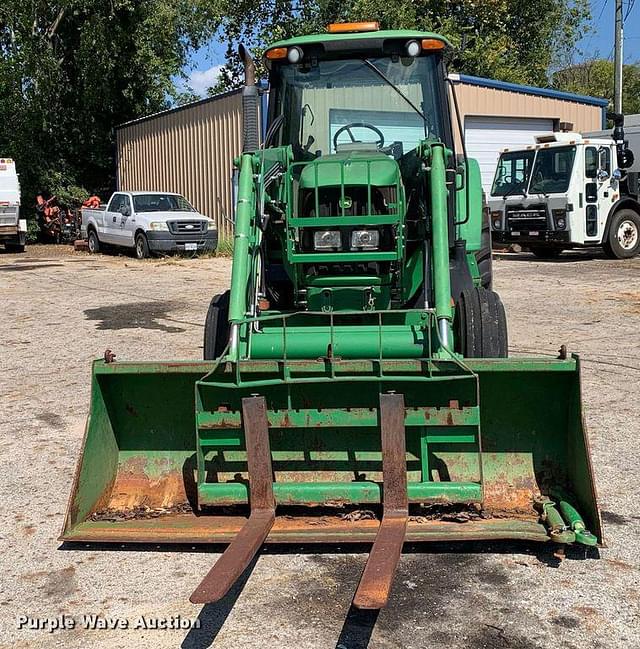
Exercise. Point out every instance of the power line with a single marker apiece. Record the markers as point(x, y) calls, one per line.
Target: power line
point(629, 8)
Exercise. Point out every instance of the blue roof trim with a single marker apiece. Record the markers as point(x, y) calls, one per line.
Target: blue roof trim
point(532, 90)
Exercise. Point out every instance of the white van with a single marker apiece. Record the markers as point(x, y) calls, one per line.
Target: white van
point(149, 222)
point(13, 229)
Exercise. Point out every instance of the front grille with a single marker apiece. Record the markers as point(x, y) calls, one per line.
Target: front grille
point(527, 219)
point(8, 220)
point(187, 227)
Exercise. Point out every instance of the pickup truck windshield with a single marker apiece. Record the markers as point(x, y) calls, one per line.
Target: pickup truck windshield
point(512, 174)
point(161, 203)
point(552, 170)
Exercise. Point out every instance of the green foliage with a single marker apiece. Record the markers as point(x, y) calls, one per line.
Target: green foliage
point(595, 78)
point(72, 70)
point(512, 40)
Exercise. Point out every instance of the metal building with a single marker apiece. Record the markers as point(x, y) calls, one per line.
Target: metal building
point(190, 149)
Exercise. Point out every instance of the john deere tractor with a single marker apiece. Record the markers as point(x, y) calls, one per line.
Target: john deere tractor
point(356, 385)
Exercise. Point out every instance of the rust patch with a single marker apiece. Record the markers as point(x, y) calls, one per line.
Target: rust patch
point(139, 513)
point(134, 488)
point(29, 530)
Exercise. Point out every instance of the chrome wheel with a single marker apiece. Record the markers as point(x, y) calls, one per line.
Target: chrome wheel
point(627, 235)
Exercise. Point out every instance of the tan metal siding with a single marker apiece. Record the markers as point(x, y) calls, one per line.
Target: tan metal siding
point(189, 151)
point(481, 101)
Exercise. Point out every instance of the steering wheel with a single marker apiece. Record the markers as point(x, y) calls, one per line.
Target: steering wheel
point(348, 127)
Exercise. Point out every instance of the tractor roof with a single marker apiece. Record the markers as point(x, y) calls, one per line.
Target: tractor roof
point(355, 35)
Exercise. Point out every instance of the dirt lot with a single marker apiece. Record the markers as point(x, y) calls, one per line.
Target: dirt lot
point(60, 310)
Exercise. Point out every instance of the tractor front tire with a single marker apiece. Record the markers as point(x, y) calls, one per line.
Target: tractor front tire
point(480, 324)
point(623, 241)
point(216, 327)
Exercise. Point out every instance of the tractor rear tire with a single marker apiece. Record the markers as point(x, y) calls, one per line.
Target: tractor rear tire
point(623, 241)
point(481, 324)
point(484, 257)
point(216, 327)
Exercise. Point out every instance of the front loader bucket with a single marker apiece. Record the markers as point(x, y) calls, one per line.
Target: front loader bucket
point(496, 450)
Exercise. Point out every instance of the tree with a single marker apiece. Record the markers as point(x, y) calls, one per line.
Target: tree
point(512, 40)
point(70, 71)
point(595, 78)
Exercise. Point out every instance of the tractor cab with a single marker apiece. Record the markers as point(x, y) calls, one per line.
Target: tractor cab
point(353, 108)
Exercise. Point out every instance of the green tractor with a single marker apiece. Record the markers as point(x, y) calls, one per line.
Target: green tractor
point(356, 385)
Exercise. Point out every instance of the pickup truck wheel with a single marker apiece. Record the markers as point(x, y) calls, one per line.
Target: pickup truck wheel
point(216, 327)
point(623, 241)
point(142, 246)
point(93, 242)
point(480, 324)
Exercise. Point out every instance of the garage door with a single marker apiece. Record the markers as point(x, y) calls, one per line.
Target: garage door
point(487, 136)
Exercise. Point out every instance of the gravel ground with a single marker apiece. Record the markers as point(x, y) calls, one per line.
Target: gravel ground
point(62, 309)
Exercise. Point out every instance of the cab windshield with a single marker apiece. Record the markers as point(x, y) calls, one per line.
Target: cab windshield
point(388, 103)
point(512, 174)
point(552, 170)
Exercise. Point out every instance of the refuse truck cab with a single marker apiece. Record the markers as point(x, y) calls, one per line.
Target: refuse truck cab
point(13, 229)
point(566, 191)
point(358, 362)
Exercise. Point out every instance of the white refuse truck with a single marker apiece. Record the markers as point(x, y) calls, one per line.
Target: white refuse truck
point(569, 190)
point(13, 229)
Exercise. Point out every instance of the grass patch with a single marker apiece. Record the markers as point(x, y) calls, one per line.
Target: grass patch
point(225, 247)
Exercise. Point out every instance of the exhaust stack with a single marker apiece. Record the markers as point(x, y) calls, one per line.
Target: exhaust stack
point(250, 98)
point(625, 155)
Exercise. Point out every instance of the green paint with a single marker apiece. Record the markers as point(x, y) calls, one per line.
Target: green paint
point(381, 34)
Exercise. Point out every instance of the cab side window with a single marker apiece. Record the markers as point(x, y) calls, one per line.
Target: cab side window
point(591, 162)
point(116, 203)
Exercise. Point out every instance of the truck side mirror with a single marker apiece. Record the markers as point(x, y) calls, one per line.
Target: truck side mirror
point(124, 210)
point(603, 175)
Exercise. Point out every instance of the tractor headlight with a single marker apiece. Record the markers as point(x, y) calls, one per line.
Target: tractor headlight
point(365, 239)
point(326, 239)
point(159, 226)
point(294, 55)
point(413, 48)
point(496, 218)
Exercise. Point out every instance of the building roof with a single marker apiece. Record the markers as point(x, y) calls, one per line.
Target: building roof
point(175, 109)
point(529, 90)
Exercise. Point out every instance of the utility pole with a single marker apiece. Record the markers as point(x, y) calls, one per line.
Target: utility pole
point(617, 78)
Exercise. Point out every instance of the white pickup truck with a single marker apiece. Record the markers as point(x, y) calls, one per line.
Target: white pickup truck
point(148, 222)
point(13, 229)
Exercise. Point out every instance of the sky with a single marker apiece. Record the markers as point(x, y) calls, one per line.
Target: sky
point(204, 65)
